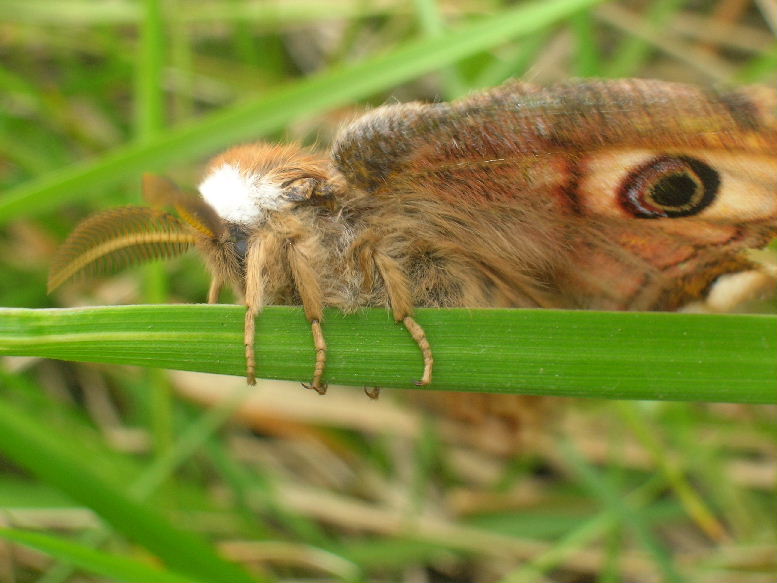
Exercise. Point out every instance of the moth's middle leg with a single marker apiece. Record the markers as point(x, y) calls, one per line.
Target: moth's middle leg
point(309, 289)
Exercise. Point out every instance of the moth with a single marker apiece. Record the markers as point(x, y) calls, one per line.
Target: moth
point(615, 195)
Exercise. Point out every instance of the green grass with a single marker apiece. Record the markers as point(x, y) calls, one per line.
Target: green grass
point(617, 355)
point(124, 474)
point(337, 87)
point(112, 566)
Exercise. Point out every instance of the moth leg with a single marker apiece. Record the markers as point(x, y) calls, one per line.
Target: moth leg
point(418, 334)
point(307, 285)
point(318, 372)
point(372, 392)
point(214, 290)
point(248, 337)
point(256, 258)
point(398, 290)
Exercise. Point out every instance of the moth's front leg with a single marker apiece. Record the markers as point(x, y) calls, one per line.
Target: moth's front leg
point(258, 252)
point(306, 281)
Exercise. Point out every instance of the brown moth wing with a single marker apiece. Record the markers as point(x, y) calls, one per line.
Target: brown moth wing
point(550, 174)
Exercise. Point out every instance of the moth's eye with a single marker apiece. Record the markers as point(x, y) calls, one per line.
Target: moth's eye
point(240, 239)
point(669, 187)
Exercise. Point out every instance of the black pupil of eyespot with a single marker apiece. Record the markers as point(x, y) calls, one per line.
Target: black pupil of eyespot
point(669, 187)
point(675, 191)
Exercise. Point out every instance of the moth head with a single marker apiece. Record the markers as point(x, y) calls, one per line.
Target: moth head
point(246, 182)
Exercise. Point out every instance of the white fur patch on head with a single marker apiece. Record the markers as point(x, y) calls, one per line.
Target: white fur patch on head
point(240, 198)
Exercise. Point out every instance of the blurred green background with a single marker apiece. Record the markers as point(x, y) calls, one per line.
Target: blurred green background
point(118, 474)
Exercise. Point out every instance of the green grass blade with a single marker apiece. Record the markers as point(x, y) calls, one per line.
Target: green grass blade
point(760, 69)
point(115, 567)
point(275, 109)
point(629, 514)
point(149, 122)
point(27, 442)
point(149, 93)
point(618, 355)
point(634, 51)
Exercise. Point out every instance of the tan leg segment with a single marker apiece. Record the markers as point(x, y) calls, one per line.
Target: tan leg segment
point(372, 392)
point(419, 336)
point(398, 290)
point(254, 298)
point(306, 282)
point(214, 290)
point(318, 384)
point(249, 335)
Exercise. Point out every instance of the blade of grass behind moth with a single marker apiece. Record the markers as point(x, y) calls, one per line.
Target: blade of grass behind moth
point(27, 442)
point(275, 109)
point(115, 567)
